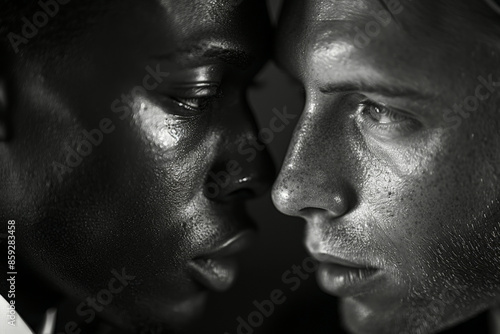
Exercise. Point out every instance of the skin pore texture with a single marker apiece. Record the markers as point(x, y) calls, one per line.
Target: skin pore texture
point(143, 202)
point(385, 173)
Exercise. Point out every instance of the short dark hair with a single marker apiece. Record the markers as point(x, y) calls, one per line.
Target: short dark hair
point(465, 15)
point(65, 21)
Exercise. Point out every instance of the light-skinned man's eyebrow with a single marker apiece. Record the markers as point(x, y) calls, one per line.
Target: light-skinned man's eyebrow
point(378, 89)
point(231, 56)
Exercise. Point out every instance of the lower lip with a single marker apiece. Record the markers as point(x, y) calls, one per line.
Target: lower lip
point(215, 274)
point(345, 281)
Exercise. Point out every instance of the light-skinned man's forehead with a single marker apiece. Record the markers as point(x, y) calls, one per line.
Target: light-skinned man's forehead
point(339, 10)
point(358, 10)
point(198, 11)
point(363, 44)
point(334, 33)
point(321, 25)
point(424, 16)
point(221, 13)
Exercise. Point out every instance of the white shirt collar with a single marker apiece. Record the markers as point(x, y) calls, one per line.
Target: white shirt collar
point(19, 326)
point(10, 321)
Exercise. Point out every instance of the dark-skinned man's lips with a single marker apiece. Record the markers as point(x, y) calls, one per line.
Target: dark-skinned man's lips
point(217, 269)
point(343, 278)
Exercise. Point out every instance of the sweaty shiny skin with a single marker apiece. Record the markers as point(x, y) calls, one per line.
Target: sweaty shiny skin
point(400, 189)
point(139, 201)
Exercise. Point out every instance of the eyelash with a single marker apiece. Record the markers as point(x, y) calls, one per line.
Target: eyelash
point(191, 102)
point(402, 124)
point(188, 103)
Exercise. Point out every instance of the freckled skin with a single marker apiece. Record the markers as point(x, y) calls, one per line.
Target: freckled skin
point(139, 200)
point(419, 203)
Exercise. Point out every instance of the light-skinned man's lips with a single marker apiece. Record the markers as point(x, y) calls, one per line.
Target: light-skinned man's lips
point(343, 278)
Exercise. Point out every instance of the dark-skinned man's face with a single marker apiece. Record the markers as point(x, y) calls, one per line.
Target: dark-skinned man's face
point(124, 157)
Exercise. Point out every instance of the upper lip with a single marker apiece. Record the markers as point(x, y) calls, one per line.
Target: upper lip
point(328, 258)
point(232, 245)
point(216, 270)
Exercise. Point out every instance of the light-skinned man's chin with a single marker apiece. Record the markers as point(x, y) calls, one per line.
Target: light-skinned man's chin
point(366, 314)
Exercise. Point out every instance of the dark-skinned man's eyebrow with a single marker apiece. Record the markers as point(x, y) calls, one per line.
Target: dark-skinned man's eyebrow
point(379, 89)
point(228, 55)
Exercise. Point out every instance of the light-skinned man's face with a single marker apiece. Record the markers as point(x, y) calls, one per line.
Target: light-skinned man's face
point(125, 157)
point(395, 162)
